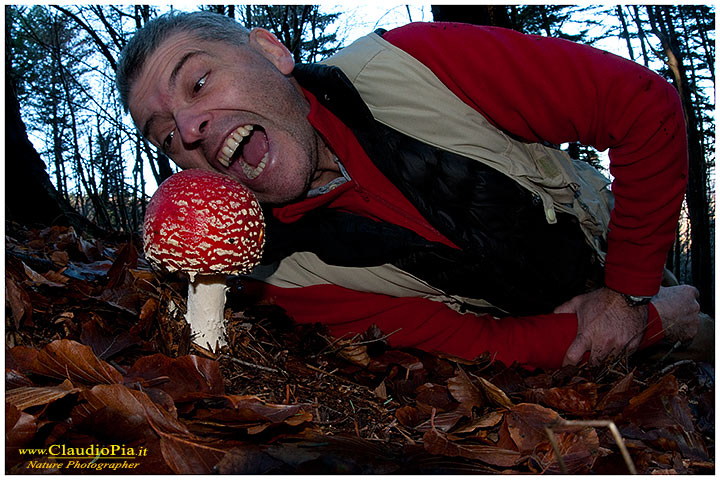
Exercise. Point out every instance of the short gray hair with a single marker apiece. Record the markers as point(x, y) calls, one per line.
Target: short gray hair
point(204, 25)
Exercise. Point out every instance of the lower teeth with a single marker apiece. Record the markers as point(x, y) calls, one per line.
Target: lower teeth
point(253, 172)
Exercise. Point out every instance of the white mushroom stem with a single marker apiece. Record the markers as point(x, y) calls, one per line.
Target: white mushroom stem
point(206, 310)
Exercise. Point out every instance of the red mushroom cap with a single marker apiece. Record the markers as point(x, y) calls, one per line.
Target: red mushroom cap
point(202, 222)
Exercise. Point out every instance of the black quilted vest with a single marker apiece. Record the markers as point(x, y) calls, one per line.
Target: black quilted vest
point(510, 256)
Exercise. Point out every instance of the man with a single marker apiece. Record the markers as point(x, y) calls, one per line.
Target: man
point(406, 183)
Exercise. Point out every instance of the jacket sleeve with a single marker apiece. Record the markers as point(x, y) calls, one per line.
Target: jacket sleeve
point(537, 341)
point(546, 89)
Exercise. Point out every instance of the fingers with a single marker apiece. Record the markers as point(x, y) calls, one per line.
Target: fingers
point(597, 352)
point(576, 351)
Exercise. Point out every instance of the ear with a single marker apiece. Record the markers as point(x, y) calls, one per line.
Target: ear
point(271, 48)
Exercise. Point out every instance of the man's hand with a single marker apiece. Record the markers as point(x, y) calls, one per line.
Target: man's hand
point(606, 325)
point(679, 311)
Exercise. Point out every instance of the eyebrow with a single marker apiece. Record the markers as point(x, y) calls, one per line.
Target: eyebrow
point(179, 65)
point(147, 128)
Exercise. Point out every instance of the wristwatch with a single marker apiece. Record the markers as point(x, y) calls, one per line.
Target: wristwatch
point(635, 300)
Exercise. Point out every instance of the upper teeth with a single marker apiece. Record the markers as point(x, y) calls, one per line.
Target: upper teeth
point(232, 143)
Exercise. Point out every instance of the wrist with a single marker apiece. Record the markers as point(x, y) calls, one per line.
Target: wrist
point(634, 300)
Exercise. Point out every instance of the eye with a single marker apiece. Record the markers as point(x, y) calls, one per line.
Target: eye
point(200, 83)
point(167, 143)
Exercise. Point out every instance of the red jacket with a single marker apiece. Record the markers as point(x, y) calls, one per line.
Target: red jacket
point(535, 88)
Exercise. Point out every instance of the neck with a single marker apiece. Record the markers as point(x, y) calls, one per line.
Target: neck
point(327, 170)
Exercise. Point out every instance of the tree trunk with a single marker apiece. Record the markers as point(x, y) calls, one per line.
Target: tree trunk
point(30, 197)
point(641, 35)
point(709, 54)
point(625, 33)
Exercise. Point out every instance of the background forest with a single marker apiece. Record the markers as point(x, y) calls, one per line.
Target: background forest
point(98, 173)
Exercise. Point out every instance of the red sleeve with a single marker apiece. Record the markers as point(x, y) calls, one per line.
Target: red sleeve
point(538, 341)
point(540, 88)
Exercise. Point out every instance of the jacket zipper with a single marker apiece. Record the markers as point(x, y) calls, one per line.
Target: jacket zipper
point(367, 195)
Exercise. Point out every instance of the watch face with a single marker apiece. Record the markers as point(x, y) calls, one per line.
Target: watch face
point(634, 301)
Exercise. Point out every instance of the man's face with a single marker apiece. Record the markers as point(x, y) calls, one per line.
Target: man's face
point(233, 109)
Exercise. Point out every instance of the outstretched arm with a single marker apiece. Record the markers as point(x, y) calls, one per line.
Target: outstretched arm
point(534, 341)
point(547, 89)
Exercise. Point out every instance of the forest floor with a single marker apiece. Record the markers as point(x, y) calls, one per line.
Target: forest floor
point(101, 376)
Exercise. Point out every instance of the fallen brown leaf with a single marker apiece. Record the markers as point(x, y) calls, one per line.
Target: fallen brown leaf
point(20, 429)
point(127, 258)
point(116, 413)
point(488, 420)
point(494, 395)
point(104, 343)
point(408, 416)
point(182, 378)
point(463, 390)
point(186, 457)
point(69, 359)
point(247, 413)
point(395, 357)
point(568, 399)
point(579, 449)
point(355, 354)
point(21, 358)
point(429, 396)
point(60, 257)
point(18, 300)
point(15, 379)
point(291, 414)
point(660, 406)
point(26, 397)
point(438, 443)
point(444, 422)
point(38, 279)
point(619, 395)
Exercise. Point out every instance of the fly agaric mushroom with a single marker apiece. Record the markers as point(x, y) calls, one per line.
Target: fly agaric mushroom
point(209, 226)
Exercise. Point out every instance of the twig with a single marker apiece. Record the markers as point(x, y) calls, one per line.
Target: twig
point(556, 449)
point(591, 423)
point(621, 374)
point(332, 375)
point(677, 345)
point(676, 364)
point(384, 337)
point(400, 430)
point(252, 365)
point(352, 342)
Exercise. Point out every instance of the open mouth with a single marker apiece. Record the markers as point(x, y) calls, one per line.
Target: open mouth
point(248, 145)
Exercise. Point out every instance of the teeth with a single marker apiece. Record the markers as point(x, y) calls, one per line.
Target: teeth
point(232, 143)
point(253, 172)
point(229, 151)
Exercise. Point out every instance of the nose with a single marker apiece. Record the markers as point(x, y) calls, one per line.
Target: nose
point(192, 125)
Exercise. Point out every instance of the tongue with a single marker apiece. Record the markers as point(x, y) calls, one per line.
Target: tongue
point(255, 148)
